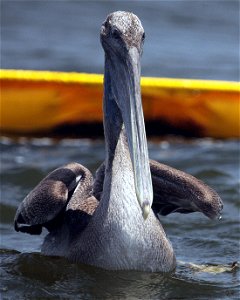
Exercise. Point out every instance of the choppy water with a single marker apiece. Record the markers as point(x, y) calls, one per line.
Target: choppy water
point(26, 274)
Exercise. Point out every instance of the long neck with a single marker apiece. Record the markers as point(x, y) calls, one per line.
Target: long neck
point(118, 162)
point(117, 236)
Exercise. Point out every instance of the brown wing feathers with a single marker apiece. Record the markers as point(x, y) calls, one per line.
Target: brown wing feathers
point(44, 204)
point(177, 191)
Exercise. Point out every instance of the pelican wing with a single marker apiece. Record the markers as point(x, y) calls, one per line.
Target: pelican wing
point(46, 203)
point(176, 191)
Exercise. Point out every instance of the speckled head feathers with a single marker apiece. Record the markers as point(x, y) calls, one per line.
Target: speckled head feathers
point(123, 26)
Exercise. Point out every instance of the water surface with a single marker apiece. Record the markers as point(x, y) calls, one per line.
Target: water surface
point(186, 39)
point(196, 239)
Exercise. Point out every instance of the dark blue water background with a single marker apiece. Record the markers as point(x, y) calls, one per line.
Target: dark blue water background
point(191, 39)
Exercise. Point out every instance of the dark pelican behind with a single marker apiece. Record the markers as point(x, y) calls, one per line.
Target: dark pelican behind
point(112, 221)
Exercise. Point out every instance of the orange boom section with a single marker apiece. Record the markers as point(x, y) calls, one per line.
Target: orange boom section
point(39, 101)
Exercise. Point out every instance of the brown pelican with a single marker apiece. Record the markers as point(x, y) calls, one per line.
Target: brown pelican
point(111, 221)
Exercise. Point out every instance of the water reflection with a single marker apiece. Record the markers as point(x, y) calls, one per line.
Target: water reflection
point(28, 272)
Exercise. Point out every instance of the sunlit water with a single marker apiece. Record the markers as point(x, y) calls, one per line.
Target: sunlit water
point(196, 239)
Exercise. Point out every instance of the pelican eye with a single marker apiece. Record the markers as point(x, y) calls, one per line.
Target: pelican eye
point(143, 37)
point(116, 34)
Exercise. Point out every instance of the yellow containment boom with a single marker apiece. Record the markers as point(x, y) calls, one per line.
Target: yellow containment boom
point(41, 101)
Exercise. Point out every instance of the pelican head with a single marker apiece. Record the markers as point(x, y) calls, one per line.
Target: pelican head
point(122, 37)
